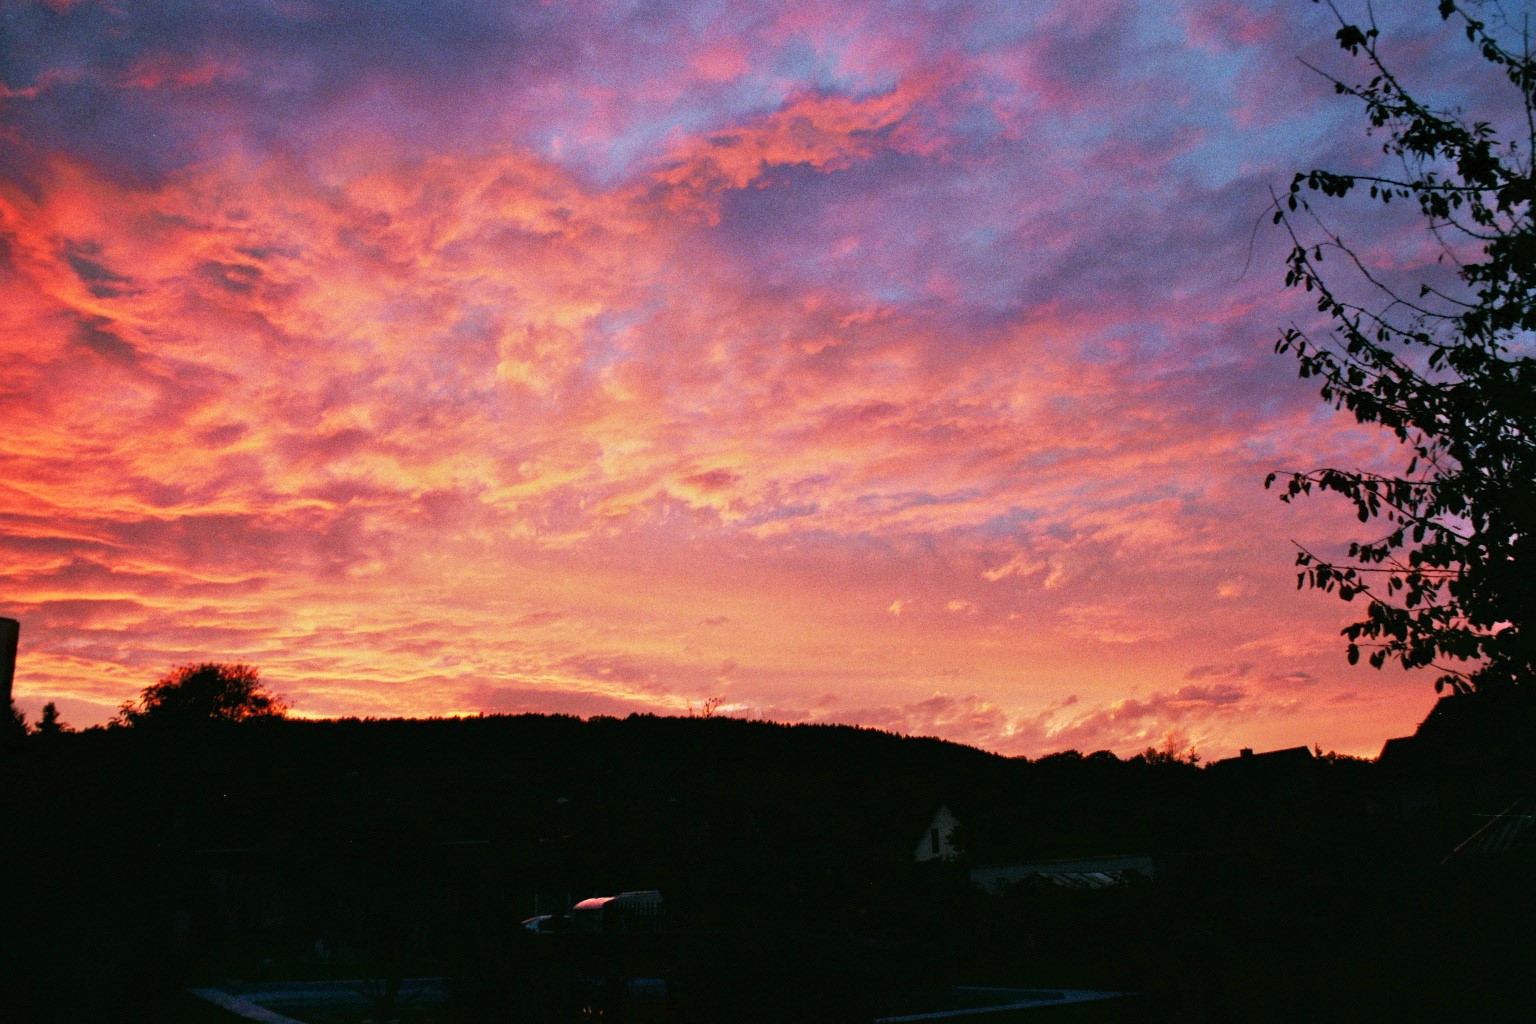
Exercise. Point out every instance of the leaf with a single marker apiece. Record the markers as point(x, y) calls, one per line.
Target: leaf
point(1455, 387)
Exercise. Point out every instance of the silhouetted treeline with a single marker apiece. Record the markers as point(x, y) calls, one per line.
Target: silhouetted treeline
point(144, 862)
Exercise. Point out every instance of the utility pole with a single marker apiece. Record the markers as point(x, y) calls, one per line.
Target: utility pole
point(10, 633)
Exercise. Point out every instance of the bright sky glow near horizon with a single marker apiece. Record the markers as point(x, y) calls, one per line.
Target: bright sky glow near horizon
point(879, 363)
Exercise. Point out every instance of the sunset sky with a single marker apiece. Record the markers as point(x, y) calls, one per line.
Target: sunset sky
point(906, 365)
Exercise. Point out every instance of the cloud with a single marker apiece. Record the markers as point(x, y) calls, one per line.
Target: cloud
point(1294, 680)
point(1131, 724)
point(1111, 623)
point(410, 350)
point(969, 718)
point(1235, 670)
point(1019, 565)
point(507, 700)
point(1199, 714)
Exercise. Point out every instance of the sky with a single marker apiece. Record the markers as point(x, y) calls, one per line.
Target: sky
point(907, 365)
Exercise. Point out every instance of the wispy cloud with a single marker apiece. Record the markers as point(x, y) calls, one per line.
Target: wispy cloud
point(500, 358)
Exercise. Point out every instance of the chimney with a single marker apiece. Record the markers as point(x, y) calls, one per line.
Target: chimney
point(1245, 752)
point(10, 632)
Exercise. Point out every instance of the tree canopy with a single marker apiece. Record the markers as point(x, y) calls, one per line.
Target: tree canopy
point(206, 692)
point(1447, 368)
point(50, 724)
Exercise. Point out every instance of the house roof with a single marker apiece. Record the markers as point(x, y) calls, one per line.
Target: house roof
point(1289, 757)
point(1469, 729)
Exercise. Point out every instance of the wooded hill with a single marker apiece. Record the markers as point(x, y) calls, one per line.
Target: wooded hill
point(150, 859)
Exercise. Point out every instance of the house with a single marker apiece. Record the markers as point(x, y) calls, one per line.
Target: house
point(1093, 872)
point(1482, 729)
point(1290, 761)
point(937, 840)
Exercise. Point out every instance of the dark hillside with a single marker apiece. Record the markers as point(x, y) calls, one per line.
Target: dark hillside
point(157, 858)
point(144, 861)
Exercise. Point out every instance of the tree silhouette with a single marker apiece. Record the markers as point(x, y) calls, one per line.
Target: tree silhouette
point(50, 724)
point(1447, 370)
point(206, 692)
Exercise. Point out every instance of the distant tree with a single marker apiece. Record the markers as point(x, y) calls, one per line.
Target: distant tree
point(1333, 757)
point(1451, 580)
point(708, 709)
point(50, 724)
point(1176, 749)
point(207, 692)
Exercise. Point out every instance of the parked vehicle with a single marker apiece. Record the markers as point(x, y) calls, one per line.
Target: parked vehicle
point(628, 912)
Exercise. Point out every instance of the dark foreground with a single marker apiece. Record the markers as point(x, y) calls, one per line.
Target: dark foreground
point(141, 866)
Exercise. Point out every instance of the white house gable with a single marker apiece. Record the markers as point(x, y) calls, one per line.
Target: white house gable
point(935, 843)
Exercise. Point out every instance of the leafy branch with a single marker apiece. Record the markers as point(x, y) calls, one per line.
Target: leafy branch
point(1449, 583)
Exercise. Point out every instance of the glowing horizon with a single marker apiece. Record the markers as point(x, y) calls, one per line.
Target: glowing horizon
point(849, 363)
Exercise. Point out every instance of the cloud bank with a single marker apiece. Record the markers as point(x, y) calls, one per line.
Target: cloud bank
point(509, 357)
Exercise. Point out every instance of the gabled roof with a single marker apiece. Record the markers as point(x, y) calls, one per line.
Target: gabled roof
point(1469, 729)
point(1395, 749)
point(1269, 760)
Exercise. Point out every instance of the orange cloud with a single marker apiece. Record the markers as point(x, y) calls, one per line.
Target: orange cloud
point(821, 353)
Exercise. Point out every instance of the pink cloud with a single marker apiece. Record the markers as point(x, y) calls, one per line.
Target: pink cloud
point(862, 351)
